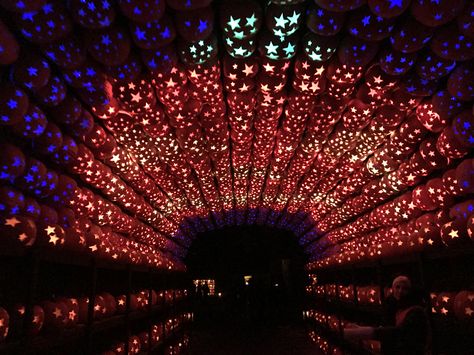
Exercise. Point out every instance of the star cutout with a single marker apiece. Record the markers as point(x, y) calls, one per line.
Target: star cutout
point(239, 34)
point(271, 48)
point(240, 51)
point(234, 23)
point(170, 83)
point(289, 49)
point(12, 222)
point(294, 18)
point(319, 71)
point(244, 88)
point(454, 234)
point(57, 313)
point(250, 21)
point(315, 56)
point(248, 70)
point(269, 68)
point(136, 97)
point(280, 21)
point(50, 230)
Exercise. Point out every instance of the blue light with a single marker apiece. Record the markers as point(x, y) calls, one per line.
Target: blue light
point(166, 33)
point(28, 16)
point(202, 26)
point(366, 20)
point(106, 40)
point(26, 33)
point(28, 178)
point(12, 104)
point(90, 72)
point(39, 130)
point(32, 71)
point(140, 34)
point(152, 63)
point(47, 8)
point(16, 162)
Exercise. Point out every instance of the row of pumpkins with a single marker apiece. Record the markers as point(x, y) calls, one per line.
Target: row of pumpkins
point(141, 342)
point(460, 304)
point(334, 324)
point(66, 312)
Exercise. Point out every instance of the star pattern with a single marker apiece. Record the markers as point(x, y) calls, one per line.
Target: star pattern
point(314, 130)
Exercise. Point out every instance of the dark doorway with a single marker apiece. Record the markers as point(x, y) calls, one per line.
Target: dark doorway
point(259, 286)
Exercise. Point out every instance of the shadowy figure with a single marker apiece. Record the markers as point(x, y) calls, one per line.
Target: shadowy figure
point(408, 330)
point(205, 290)
point(199, 291)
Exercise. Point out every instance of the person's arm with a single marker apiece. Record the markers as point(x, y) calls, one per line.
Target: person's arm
point(415, 321)
point(359, 333)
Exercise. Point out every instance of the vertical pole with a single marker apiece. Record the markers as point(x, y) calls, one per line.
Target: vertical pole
point(90, 308)
point(339, 313)
point(127, 312)
point(380, 280)
point(34, 266)
point(354, 285)
point(150, 309)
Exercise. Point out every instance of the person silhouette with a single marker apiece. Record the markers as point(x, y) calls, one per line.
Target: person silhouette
point(205, 290)
point(199, 290)
point(409, 333)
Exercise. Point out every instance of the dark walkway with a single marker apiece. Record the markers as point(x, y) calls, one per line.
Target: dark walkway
point(228, 339)
point(226, 334)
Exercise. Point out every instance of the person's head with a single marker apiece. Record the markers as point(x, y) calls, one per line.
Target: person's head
point(401, 287)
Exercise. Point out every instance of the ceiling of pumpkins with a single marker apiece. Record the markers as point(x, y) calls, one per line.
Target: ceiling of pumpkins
point(129, 126)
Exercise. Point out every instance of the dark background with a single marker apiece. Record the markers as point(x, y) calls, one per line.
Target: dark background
point(272, 257)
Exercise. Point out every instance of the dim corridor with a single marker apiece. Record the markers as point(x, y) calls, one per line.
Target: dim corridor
point(239, 338)
point(220, 332)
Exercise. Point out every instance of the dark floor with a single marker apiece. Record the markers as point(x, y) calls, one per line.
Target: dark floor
point(225, 339)
point(223, 333)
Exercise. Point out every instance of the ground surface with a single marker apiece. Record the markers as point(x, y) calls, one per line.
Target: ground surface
point(238, 334)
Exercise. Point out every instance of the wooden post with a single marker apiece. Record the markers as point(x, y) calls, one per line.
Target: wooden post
point(34, 263)
point(150, 309)
point(90, 306)
point(127, 312)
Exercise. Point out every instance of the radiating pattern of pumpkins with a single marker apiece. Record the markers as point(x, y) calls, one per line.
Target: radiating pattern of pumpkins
point(131, 126)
